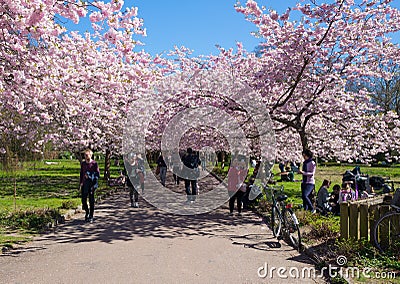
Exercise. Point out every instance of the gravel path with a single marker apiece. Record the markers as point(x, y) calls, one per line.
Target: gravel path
point(147, 245)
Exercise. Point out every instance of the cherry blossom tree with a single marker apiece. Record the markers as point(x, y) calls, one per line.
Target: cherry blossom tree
point(304, 69)
point(63, 87)
point(74, 90)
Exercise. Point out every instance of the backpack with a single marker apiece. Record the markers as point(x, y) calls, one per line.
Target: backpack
point(376, 182)
point(192, 162)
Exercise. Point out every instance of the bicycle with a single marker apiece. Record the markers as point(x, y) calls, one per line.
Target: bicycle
point(386, 231)
point(284, 222)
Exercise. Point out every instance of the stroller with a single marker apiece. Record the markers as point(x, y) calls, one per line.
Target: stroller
point(359, 182)
point(379, 183)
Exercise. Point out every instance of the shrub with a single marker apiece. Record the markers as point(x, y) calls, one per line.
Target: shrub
point(363, 254)
point(322, 231)
point(319, 227)
point(32, 220)
point(68, 204)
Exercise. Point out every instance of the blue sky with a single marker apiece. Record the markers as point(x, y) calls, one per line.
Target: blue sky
point(198, 25)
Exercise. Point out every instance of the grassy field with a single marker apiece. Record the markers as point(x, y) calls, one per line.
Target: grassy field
point(41, 185)
point(43, 190)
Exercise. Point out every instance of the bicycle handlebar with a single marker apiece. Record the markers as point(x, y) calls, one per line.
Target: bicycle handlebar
point(272, 189)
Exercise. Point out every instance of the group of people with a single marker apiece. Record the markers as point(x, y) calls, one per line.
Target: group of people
point(90, 174)
point(330, 202)
point(325, 202)
point(189, 173)
point(287, 171)
point(136, 172)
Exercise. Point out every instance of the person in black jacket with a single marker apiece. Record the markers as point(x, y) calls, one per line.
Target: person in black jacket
point(191, 173)
point(89, 177)
point(163, 168)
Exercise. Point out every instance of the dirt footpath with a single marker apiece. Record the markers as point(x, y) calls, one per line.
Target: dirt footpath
point(146, 245)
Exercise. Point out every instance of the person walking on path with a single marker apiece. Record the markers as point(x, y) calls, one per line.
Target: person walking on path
point(233, 177)
point(133, 182)
point(162, 165)
point(176, 168)
point(140, 171)
point(191, 173)
point(308, 181)
point(236, 187)
point(89, 177)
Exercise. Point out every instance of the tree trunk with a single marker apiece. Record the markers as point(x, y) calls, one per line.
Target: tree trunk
point(303, 139)
point(255, 173)
point(7, 159)
point(78, 155)
point(14, 169)
point(107, 164)
point(222, 159)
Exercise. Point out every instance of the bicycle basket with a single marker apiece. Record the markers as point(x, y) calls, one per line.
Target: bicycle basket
point(396, 199)
point(255, 191)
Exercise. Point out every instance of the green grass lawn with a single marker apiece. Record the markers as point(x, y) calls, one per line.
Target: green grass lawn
point(42, 185)
point(41, 189)
point(7, 203)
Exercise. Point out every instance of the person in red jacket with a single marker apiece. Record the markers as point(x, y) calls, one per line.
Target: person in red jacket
point(89, 177)
point(236, 187)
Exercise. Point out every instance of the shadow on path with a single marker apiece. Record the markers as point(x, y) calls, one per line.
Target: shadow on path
point(116, 221)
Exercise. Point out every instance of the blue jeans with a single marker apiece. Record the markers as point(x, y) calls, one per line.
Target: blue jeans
point(163, 175)
point(191, 195)
point(306, 189)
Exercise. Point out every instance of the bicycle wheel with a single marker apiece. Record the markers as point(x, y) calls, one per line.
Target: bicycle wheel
point(387, 233)
point(276, 223)
point(292, 229)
